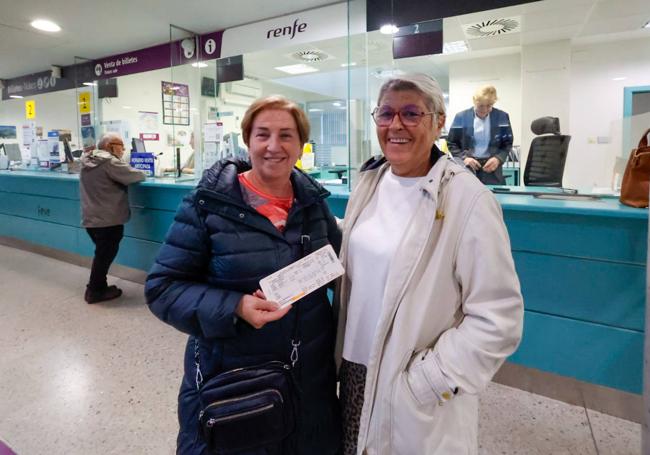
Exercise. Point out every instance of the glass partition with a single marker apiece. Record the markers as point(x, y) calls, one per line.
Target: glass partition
point(585, 63)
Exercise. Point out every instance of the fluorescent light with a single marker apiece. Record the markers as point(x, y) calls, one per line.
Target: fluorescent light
point(199, 65)
point(454, 47)
point(388, 29)
point(127, 107)
point(622, 78)
point(45, 25)
point(315, 110)
point(386, 74)
point(336, 104)
point(90, 84)
point(348, 64)
point(296, 69)
point(15, 97)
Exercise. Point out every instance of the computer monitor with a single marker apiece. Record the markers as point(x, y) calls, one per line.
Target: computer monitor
point(137, 146)
point(13, 152)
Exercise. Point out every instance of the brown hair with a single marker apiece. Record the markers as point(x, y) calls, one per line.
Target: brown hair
point(275, 102)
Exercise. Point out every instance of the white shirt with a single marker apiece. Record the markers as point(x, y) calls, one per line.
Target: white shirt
point(481, 136)
point(373, 242)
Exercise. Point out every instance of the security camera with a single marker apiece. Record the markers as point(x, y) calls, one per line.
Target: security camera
point(189, 47)
point(56, 71)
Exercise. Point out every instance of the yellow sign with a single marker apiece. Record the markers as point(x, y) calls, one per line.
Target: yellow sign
point(30, 109)
point(84, 102)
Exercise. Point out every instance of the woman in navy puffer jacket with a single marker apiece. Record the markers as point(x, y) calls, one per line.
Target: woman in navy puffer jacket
point(238, 226)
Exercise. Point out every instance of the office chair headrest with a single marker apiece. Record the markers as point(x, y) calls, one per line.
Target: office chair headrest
point(546, 125)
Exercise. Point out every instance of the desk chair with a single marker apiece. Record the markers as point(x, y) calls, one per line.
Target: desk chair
point(547, 155)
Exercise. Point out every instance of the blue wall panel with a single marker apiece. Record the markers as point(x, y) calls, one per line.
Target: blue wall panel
point(615, 239)
point(607, 293)
point(50, 209)
point(589, 352)
point(43, 233)
point(137, 253)
point(50, 185)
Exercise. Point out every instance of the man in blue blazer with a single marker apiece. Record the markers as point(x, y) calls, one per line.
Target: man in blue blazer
point(482, 137)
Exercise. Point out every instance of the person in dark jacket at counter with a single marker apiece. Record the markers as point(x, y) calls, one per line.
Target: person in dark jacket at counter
point(482, 137)
point(103, 183)
point(243, 222)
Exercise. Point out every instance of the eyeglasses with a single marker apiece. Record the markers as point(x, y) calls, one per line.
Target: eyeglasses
point(408, 115)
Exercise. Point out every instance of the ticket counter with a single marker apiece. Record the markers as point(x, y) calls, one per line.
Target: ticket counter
point(582, 267)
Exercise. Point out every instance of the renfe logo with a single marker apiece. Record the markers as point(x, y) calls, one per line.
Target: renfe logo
point(288, 30)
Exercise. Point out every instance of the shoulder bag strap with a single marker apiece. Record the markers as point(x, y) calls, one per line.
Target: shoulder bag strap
point(305, 249)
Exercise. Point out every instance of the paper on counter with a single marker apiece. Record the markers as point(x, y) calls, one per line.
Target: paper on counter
point(302, 277)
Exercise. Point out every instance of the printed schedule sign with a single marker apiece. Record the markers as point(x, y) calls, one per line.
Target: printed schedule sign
point(176, 103)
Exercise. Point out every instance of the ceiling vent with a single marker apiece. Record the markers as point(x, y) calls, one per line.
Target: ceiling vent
point(493, 27)
point(310, 56)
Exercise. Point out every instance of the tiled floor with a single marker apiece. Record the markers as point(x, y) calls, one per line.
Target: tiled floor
point(80, 379)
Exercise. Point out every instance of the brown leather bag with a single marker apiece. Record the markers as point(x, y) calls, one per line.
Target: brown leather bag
point(636, 180)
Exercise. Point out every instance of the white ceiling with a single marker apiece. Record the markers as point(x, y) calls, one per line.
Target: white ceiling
point(581, 21)
point(94, 29)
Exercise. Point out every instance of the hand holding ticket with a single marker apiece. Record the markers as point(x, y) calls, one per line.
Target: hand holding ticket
point(302, 277)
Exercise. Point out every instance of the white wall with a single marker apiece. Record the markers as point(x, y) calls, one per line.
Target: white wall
point(56, 110)
point(597, 107)
point(504, 72)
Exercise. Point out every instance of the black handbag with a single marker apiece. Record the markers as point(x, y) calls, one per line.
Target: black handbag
point(251, 407)
point(248, 408)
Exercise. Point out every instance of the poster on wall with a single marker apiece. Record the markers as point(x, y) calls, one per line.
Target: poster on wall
point(176, 103)
point(148, 125)
point(7, 132)
point(29, 134)
point(88, 138)
point(43, 152)
point(120, 127)
point(53, 148)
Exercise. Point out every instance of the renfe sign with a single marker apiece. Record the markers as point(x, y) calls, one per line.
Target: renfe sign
point(305, 27)
point(284, 31)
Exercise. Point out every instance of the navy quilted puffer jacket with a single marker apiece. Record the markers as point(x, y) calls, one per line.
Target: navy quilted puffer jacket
point(217, 250)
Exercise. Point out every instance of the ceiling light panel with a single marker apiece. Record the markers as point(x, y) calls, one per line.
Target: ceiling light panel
point(300, 68)
point(45, 25)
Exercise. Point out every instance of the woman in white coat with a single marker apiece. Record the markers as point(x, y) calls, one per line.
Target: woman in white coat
point(430, 305)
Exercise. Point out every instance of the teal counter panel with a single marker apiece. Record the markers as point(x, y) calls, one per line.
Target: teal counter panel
point(137, 253)
point(52, 235)
point(50, 209)
point(588, 352)
point(60, 186)
point(147, 224)
point(623, 239)
point(602, 292)
point(154, 197)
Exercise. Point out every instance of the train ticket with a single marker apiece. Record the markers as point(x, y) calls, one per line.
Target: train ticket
point(302, 277)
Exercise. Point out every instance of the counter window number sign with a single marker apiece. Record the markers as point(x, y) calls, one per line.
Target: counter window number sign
point(84, 102)
point(30, 109)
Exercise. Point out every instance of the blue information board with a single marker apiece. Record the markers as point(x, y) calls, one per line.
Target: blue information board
point(144, 162)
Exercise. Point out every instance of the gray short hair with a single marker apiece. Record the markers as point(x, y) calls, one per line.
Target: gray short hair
point(425, 85)
point(107, 139)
